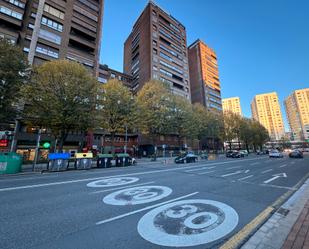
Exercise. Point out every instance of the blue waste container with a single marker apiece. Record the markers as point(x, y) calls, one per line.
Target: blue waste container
point(58, 161)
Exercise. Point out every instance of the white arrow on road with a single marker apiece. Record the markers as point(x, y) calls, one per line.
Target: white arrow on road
point(236, 172)
point(276, 177)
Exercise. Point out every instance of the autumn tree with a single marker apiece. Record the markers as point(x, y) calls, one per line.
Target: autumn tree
point(62, 97)
point(117, 108)
point(13, 73)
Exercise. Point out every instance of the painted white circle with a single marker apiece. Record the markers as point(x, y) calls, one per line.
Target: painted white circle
point(188, 223)
point(111, 182)
point(137, 195)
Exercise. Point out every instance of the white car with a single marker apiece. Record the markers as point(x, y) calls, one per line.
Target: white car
point(244, 152)
point(275, 153)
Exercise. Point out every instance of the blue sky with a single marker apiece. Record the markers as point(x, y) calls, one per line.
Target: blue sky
point(262, 45)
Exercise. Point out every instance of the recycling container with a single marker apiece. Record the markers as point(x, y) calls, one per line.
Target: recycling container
point(123, 159)
point(83, 160)
point(58, 161)
point(10, 163)
point(104, 160)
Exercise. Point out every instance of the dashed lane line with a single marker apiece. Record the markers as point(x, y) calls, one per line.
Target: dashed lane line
point(203, 168)
point(234, 173)
point(203, 173)
point(111, 189)
point(235, 167)
point(143, 209)
point(254, 163)
point(283, 165)
point(265, 171)
point(246, 177)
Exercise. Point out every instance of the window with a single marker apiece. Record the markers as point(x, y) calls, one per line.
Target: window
point(16, 3)
point(49, 36)
point(52, 24)
point(47, 51)
point(51, 10)
point(11, 13)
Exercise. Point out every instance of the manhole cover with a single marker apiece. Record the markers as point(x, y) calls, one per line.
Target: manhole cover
point(283, 211)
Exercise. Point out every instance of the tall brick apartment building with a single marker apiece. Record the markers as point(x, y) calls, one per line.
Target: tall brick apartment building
point(55, 29)
point(157, 49)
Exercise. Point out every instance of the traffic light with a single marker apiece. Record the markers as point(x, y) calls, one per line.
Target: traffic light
point(46, 145)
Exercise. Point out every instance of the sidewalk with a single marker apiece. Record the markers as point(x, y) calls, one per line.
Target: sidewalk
point(288, 227)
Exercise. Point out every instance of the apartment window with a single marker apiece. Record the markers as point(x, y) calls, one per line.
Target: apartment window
point(90, 5)
point(102, 80)
point(155, 68)
point(47, 51)
point(49, 36)
point(52, 24)
point(154, 13)
point(166, 72)
point(165, 56)
point(51, 10)
point(11, 13)
point(16, 3)
point(30, 26)
point(155, 51)
point(155, 28)
point(154, 43)
point(171, 67)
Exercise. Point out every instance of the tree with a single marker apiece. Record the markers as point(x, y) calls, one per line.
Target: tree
point(13, 65)
point(61, 97)
point(247, 132)
point(117, 108)
point(260, 134)
point(231, 127)
point(154, 109)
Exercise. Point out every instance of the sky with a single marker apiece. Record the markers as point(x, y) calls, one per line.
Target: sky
point(262, 45)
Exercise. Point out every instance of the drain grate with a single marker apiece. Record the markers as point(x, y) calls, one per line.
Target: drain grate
point(283, 211)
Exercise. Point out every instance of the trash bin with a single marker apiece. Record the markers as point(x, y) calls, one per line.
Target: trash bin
point(83, 160)
point(58, 161)
point(123, 159)
point(104, 160)
point(10, 163)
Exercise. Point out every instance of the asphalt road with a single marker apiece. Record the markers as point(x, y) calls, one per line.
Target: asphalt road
point(153, 206)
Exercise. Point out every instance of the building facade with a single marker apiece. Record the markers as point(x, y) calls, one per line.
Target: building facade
point(55, 29)
point(232, 105)
point(204, 76)
point(157, 49)
point(297, 110)
point(266, 109)
point(106, 73)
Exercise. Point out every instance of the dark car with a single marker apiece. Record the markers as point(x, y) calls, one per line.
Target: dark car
point(296, 154)
point(237, 154)
point(186, 158)
point(261, 152)
point(230, 153)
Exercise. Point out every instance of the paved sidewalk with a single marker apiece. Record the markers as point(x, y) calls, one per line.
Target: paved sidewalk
point(288, 227)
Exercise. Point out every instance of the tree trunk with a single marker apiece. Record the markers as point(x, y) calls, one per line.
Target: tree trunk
point(63, 137)
point(112, 142)
point(230, 145)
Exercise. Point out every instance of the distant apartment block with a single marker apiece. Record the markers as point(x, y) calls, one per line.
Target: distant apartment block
point(232, 105)
point(106, 73)
point(297, 110)
point(266, 109)
point(55, 29)
point(204, 76)
point(157, 49)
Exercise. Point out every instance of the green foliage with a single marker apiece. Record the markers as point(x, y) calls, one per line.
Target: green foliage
point(62, 97)
point(13, 65)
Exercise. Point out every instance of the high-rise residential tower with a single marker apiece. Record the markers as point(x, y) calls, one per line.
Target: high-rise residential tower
point(232, 105)
point(204, 76)
point(297, 110)
point(266, 109)
point(157, 49)
point(55, 29)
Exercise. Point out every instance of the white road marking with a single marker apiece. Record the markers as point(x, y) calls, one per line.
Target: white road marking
point(234, 173)
point(247, 171)
point(276, 177)
point(192, 170)
point(137, 195)
point(246, 177)
point(106, 177)
point(265, 171)
point(143, 209)
point(236, 167)
point(203, 173)
point(111, 189)
point(254, 163)
point(112, 182)
point(195, 222)
point(283, 165)
point(292, 162)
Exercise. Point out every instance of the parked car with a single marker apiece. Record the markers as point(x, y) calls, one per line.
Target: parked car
point(261, 152)
point(244, 152)
point(275, 153)
point(204, 156)
point(237, 154)
point(296, 154)
point(229, 153)
point(186, 158)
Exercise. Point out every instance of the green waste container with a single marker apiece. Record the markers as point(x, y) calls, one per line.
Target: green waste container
point(104, 160)
point(10, 163)
point(123, 159)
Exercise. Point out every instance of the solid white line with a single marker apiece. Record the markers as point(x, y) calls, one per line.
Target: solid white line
point(283, 165)
point(191, 170)
point(245, 177)
point(144, 209)
point(105, 177)
point(203, 173)
point(235, 167)
point(127, 186)
point(265, 171)
point(234, 173)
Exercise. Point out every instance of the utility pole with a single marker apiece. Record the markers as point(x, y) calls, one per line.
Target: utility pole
point(37, 149)
point(126, 140)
